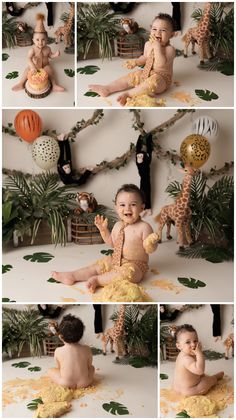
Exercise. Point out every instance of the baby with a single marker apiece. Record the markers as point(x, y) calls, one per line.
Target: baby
point(189, 377)
point(158, 57)
point(74, 361)
point(38, 57)
point(131, 238)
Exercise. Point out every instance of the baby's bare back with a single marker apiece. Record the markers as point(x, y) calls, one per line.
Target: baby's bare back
point(75, 365)
point(183, 378)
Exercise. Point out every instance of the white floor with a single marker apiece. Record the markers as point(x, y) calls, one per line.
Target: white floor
point(212, 367)
point(27, 281)
point(187, 76)
point(120, 383)
point(17, 61)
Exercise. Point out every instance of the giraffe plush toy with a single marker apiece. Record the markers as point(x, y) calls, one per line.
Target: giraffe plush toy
point(200, 35)
point(229, 344)
point(65, 31)
point(179, 212)
point(115, 335)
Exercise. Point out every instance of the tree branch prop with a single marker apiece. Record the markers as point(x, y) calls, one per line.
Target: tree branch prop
point(121, 161)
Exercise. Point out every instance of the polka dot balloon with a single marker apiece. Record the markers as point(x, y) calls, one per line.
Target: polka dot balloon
point(45, 152)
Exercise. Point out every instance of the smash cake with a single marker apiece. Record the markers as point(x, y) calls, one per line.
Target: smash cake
point(38, 83)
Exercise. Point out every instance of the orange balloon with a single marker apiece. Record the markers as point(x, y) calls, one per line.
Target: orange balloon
point(28, 125)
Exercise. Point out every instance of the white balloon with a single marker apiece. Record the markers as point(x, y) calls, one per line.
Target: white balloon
point(45, 152)
point(206, 126)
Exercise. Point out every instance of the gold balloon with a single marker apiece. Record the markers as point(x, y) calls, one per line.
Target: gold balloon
point(195, 150)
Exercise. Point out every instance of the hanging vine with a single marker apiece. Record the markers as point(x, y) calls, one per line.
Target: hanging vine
point(120, 161)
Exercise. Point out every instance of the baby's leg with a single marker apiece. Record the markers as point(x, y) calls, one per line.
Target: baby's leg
point(205, 384)
point(71, 277)
point(51, 73)
point(21, 84)
point(123, 83)
point(151, 86)
point(129, 271)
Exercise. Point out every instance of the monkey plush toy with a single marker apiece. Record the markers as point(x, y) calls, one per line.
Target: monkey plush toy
point(144, 147)
point(64, 165)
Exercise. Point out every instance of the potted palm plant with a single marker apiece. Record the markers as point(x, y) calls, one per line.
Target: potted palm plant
point(97, 27)
point(212, 217)
point(9, 26)
point(23, 332)
point(30, 202)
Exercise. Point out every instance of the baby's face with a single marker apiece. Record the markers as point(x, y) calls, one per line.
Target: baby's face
point(162, 31)
point(129, 206)
point(187, 342)
point(40, 40)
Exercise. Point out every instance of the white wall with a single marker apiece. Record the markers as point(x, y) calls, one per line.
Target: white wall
point(29, 15)
point(111, 138)
point(201, 319)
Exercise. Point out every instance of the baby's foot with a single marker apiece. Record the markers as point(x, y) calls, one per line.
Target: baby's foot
point(123, 98)
point(220, 375)
point(18, 87)
point(57, 88)
point(92, 284)
point(64, 277)
point(102, 90)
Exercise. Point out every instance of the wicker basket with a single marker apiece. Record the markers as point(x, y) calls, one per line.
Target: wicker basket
point(170, 349)
point(84, 233)
point(129, 48)
point(50, 344)
point(23, 40)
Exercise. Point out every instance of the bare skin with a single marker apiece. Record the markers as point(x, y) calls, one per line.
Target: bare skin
point(189, 377)
point(164, 55)
point(136, 247)
point(38, 58)
point(74, 366)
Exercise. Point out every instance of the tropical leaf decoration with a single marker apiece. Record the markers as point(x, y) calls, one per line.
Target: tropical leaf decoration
point(5, 56)
point(206, 95)
point(35, 199)
point(34, 369)
point(88, 70)
point(6, 268)
point(107, 251)
point(23, 327)
point(40, 257)
point(69, 72)
point(115, 408)
point(213, 355)
point(5, 299)
point(191, 282)
point(21, 364)
point(51, 280)
point(96, 23)
point(183, 415)
point(163, 376)
point(96, 351)
point(33, 405)
point(12, 75)
point(212, 216)
point(9, 26)
point(91, 93)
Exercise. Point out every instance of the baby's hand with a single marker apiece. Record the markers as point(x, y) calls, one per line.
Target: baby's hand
point(198, 349)
point(57, 54)
point(101, 222)
point(130, 64)
point(150, 242)
point(154, 41)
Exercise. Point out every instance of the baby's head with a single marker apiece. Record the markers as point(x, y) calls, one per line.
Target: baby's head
point(40, 35)
point(186, 339)
point(129, 202)
point(163, 27)
point(71, 329)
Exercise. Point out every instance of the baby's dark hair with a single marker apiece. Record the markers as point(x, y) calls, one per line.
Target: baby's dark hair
point(131, 188)
point(184, 328)
point(71, 329)
point(167, 18)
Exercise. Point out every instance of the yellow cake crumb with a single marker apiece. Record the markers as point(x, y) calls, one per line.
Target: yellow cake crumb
point(122, 290)
point(52, 410)
point(145, 101)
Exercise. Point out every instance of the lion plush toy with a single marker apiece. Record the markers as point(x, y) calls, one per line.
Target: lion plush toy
point(87, 203)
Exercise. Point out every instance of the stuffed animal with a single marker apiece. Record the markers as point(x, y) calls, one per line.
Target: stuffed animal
point(87, 203)
point(229, 344)
point(129, 25)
